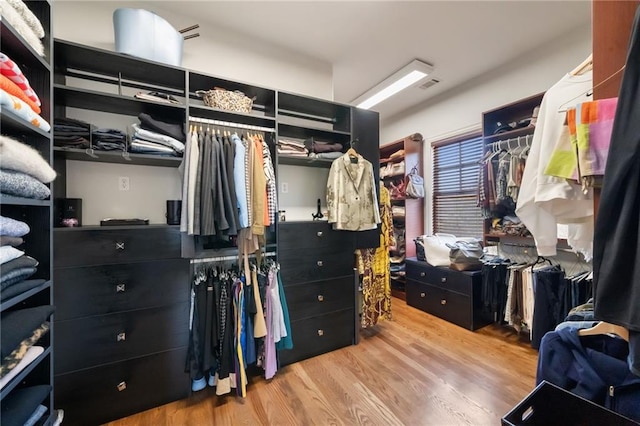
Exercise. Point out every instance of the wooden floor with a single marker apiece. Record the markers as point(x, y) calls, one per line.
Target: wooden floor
point(413, 370)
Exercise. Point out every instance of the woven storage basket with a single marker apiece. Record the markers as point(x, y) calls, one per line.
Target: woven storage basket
point(227, 100)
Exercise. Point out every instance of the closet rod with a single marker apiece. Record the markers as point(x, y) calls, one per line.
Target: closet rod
point(226, 258)
point(526, 138)
point(230, 124)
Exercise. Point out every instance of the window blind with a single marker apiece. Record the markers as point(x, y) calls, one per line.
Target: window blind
point(455, 188)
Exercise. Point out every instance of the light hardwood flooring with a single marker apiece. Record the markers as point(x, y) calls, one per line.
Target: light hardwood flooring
point(414, 370)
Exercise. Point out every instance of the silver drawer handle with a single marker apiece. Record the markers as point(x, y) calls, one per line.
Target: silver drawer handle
point(320, 332)
point(120, 288)
point(423, 295)
point(119, 246)
point(121, 337)
point(320, 298)
point(320, 234)
point(443, 279)
point(122, 386)
point(422, 274)
point(443, 302)
point(319, 262)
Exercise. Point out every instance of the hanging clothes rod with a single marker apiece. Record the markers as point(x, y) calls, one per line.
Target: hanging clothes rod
point(525, 138)
point(227, 258)
point(231, 124)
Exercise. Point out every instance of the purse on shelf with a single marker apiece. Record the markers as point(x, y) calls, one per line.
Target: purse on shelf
point(465, 255)
point(433, 248)
point(398, 190)
point(414, 184)
point(227, 100)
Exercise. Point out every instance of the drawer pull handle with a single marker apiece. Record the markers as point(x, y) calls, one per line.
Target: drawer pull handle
point(320, 234)
point(120, 288)
point(121, 337)
point(320, 263)
point(443, 279)
point(443, 302)
point(119, 246)
point(320, 298)
point(423, 295)
point(321, 333)
point(422, 274)
point(122, 386)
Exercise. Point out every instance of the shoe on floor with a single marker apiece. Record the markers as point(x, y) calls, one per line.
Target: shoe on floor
point(198, 384)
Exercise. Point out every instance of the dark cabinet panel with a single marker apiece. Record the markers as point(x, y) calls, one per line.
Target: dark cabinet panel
point(92, 341)
point(99, 395)
point(320, 297)
point(442, 277)
point(313, 235)
point(320, 334)
point(298, 266)
point(96, 290)
point(453, 307)
point(105, 246)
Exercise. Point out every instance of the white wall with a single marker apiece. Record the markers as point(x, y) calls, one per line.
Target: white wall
point(218, 51)
point(460, 109)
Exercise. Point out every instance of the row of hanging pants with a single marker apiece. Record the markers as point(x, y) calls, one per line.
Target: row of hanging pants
point(530, 297)
point(236, 323)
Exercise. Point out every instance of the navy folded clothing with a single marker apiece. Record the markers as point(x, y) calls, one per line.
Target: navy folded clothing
point(19, 288)
point(21, 184)
point(16, 276)
point(20, 324)
point(5, 240)
point(148, 122)
point(20, 404)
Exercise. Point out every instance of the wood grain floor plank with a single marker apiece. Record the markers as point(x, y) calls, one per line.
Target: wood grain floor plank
point(414, 370)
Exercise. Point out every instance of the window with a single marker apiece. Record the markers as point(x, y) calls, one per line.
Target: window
point(455, 187)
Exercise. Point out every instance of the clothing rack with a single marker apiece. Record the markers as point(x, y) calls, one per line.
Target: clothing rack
point(231, 124)
point(527, 139)
point(227, 258)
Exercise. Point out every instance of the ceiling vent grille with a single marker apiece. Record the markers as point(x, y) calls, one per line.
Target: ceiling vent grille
point(429, 83)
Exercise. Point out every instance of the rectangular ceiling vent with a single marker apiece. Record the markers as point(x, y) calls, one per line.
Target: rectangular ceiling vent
point(429, 83)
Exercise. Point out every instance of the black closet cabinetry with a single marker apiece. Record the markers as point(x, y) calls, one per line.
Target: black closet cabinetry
point(123, 298)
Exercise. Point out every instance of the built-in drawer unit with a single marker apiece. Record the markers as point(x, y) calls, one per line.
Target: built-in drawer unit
point(299, 235)
point(304, 265)
point(445, 293)
point(80, 247)
point(320, 297)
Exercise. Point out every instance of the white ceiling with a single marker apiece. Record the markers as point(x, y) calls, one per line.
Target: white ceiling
point(367, 41)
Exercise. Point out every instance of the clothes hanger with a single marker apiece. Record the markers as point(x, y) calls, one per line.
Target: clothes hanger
point(605, 328)
point(584, 66)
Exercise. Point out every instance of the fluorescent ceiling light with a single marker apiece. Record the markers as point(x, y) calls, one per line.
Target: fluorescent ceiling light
point(400, 80)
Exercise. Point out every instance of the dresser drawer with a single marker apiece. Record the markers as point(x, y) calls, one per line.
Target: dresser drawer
point(299, 235)
point(299, 266)
point(448, 305)
point(104, 246)
point(320, 297)
point(91, 341)
point(102, 394)
point(318, 335)
point(460, 282)
point(99, 290)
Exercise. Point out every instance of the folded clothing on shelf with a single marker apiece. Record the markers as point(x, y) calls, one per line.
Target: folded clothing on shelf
point(22, 158)
point(72, 133)
point(292, 148)
point(11, 70)
point(109, 140)
point(22, 185)
point(155, 138)
point(316, 146)
point(17, 270)
point(140, 146)
point(22, 110)
point(8, 253)
point(24, 22)
point(32, 353)
point(327, 155)
point(398, 211)
point(19, 406)
point(13, 89)
point(5, 240)
point(174, 130)
point(13, 228)
point(19, 288)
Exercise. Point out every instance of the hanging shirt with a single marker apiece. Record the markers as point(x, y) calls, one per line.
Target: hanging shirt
point(351, 195)
point(239, 178)
point(545, 201)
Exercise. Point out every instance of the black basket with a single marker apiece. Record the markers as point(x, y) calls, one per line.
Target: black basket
point(420, 249)
point(548, 404)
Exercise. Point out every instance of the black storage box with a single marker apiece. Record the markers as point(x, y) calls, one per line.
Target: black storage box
point(548, 405)
point(420, 249)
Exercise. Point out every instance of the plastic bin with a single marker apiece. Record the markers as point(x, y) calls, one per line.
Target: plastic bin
point(146, 35)
point(548, 405)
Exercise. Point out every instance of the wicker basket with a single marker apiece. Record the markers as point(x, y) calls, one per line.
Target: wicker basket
point(235, 101)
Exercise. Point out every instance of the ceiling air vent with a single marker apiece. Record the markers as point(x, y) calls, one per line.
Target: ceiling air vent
point(429, 83)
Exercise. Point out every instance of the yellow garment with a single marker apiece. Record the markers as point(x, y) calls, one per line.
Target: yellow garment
point(373, 265)
point(259, 323)
point(258, 189)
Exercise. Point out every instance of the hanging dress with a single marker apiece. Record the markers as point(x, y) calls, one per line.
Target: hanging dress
point(373, 265)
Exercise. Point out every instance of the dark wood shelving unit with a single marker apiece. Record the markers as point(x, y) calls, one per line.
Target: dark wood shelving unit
point(117, 157)
point(21, 201)
point(16, 125)
point(253, 119)
point(304, 132)
point(9, 303)
point(20, 50)
point(24, 373)
point(304, 161)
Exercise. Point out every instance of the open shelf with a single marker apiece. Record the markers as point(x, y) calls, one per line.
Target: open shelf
point(27, 294)
point(24, 373)
point(204, 111)
point(116, 104)
point(21, 201)
point(314, 109)
point(304, 132)
point(509, 135)
point(305, 161)
point(18, 49)
point(117, 157)
point(112, 228)
point(11, 122)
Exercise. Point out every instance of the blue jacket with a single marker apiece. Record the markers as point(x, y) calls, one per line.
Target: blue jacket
point(593, 367)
